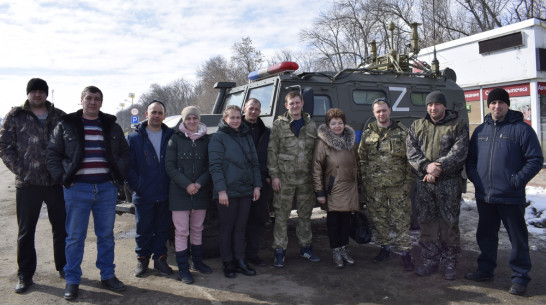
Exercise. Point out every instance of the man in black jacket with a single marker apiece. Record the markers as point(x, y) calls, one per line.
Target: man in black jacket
point(89, 154)
point(258, 210)
point(503, 156)
point(23, 141)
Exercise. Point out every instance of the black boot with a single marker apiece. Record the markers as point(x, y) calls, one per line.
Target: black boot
point(450, 256)
point(384, 253)
point(183, 267)
point(142, 265)
point(243, 268)
point(430, 256)
point(229, 269)
point(197, 260)
point(71, 291)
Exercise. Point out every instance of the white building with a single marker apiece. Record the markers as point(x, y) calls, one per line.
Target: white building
point(512, 57)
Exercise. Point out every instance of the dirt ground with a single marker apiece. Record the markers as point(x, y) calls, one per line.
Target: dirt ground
point(300, 282)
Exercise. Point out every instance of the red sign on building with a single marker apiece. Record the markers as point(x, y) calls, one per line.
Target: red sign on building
point(472, 95)
point(513, 90)
point(541, 88)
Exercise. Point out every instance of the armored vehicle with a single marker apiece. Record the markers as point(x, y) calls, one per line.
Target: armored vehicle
point(401, 78)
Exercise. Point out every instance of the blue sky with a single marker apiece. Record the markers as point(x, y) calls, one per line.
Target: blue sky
point(125, 46)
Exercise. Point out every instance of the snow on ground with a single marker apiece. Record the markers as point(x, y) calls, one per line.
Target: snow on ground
point(535, 213)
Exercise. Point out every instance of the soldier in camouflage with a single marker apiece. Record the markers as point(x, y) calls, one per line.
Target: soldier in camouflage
point(23, 141)
point(387, 178)
point(289, 160)
point(436, 147)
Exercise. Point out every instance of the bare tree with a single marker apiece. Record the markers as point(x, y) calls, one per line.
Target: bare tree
point(486, 13)
point(246, 58)
point(214, 70)
point(280, 56)
point(124, 119)
point(176, 95)
point(341, 34)
point(527, 9)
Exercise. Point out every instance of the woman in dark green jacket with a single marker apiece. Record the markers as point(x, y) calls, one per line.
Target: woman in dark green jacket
point(186, 163)
point(235, 171)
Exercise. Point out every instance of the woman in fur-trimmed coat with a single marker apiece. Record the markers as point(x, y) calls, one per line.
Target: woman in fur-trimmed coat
point(335, 174)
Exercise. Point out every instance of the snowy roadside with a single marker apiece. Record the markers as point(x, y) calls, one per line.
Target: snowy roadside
point(535, 213)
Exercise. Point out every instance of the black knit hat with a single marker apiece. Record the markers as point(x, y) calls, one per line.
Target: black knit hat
point(436, 97)
point(498, 94)
point(37, 84)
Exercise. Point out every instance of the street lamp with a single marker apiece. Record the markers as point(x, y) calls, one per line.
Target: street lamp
point(132, 96)
point(122, 104)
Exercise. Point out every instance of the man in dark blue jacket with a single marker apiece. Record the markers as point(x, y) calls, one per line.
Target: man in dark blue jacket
point(150, 184)
point(503, 156)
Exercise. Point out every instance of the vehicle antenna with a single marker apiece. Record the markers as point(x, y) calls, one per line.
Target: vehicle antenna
point(435, 65)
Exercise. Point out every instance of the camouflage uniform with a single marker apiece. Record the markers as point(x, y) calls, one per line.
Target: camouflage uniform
point(23, 141)
point(438, 203)
point(387, 178)
point(290, 159)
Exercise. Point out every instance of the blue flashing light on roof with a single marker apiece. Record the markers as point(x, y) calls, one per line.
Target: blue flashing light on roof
point(274, 69)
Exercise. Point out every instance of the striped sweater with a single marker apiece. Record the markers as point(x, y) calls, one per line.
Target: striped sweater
point(94, 168)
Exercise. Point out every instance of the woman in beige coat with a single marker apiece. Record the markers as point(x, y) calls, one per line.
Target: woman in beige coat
point(335, 174)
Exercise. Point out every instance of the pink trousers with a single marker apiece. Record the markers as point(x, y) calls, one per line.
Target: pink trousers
point(188, 223)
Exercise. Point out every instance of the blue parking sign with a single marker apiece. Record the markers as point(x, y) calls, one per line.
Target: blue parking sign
point(134, 119)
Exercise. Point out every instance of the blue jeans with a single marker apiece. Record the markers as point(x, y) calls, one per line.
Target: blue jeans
point(153, 221)
point(80, 200)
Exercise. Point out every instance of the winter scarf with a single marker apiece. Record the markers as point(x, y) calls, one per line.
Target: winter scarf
point(201, 131)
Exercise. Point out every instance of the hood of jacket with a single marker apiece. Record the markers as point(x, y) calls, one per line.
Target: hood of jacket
point(26, 107)
point(76, 117)
point(142, 127)
point(510, 118)
point(345, 141)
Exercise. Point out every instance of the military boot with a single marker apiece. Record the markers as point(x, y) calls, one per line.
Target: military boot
point(407, 262)
point(430, 253)
point(450, 256)
point(280, 254)
point(384, 253)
